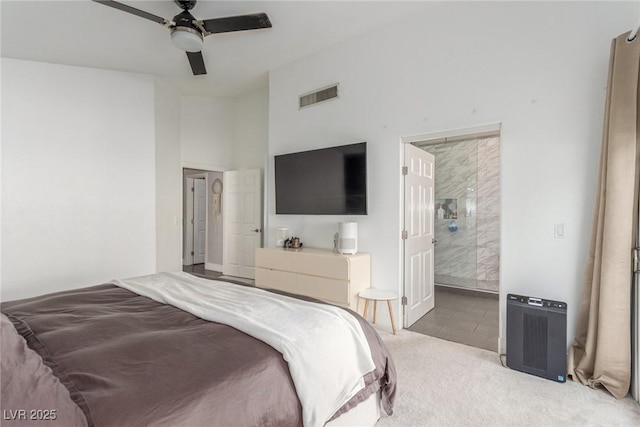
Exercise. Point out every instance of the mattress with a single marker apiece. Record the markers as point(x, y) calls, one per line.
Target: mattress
point(122, 359)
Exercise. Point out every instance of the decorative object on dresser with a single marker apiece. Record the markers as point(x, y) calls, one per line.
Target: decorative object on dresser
point(293, 243)
point(318, 273)
point(282, 235)
point(348, 237)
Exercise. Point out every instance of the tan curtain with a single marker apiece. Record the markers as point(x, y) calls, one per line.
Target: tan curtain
point(601, 355)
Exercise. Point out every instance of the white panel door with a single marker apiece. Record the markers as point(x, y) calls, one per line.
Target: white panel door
point(199, 220)
point(242, 212)
point(188, 224)
point(419, 241)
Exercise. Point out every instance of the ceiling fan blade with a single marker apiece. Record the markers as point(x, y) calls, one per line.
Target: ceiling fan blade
point(134, 11)
point(197, 63)
point(237, 23)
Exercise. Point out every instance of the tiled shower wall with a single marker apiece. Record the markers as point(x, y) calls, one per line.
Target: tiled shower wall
point(468, 192)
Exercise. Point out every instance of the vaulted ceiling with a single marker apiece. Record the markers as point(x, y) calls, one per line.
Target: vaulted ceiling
point(85, 33)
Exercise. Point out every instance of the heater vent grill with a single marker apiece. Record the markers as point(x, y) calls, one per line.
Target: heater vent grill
point(317, 96)
point(534, 348)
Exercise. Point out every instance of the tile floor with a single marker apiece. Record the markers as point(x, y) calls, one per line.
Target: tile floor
point(462, 316)
point(198, 270)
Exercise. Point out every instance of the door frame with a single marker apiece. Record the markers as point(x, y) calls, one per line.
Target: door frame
point(635, 316)
point(196, 208)
point(490, 127)
point(187, 229)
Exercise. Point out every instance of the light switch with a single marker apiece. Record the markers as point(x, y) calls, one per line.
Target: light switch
point(558, 231)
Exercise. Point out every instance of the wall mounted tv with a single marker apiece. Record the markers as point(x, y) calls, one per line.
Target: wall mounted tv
point(328, 181)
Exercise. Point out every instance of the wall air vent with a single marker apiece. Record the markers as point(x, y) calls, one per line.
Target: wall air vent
point(317, 96)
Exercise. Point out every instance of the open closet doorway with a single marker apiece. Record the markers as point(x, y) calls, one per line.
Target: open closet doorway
point(202, 225)
point(465, 215)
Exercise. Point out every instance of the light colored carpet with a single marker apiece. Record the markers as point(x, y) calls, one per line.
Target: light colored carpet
point(442, 383)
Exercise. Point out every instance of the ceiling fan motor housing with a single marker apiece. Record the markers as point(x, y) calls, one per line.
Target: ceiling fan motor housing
point(185, 19)
point(185, 4)
point(186, 35)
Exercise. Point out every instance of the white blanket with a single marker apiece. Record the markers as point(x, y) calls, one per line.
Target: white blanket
point(324, 346)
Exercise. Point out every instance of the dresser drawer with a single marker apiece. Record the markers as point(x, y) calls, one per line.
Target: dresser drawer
point(333, 266)
point(325, 265)
point(276, 279)
point(277, 259)
point(317, 273)
point(331, 290)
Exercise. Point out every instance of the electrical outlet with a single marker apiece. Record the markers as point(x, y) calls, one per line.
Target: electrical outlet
point(558, 231)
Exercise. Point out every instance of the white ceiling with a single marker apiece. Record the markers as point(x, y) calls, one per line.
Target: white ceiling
point(85, 33)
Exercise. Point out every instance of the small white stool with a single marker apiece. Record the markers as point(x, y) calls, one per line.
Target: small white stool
point(376, 295)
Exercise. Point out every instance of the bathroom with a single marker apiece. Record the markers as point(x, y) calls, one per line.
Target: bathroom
point(467, 234)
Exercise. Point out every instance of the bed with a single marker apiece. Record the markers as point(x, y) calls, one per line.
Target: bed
point(172, 349)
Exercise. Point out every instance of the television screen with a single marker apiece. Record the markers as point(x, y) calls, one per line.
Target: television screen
point(328, 181)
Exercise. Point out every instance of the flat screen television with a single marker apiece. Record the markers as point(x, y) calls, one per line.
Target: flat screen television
point(328, 181)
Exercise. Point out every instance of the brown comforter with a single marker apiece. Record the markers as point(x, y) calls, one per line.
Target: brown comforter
point(130, 361)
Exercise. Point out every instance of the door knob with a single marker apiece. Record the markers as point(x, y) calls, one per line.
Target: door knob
point(434, 241)
point(256, 230)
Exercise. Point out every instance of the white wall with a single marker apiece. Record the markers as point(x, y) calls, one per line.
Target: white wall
point(206, 132)
point(540, 69)
point(120, 114)
point(251, 129)
point(78, 177)
point(168, 178)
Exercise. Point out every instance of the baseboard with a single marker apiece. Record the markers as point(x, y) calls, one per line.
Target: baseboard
point(212, 267)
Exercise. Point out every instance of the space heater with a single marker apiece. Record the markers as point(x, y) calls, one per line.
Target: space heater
point(537, 336)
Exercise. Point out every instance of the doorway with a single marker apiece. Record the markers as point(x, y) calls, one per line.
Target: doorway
point(232, 208)
point(202, 225)
point(467, 234)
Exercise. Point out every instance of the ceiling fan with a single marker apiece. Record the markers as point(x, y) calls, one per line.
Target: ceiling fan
point(188, 33)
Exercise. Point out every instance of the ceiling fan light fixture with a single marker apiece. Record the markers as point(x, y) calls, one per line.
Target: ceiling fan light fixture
point(188, 33)
point(187, 39)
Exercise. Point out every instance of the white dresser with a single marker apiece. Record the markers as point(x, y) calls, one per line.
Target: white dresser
point(318, 273)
